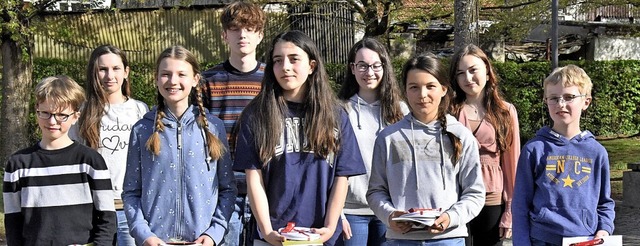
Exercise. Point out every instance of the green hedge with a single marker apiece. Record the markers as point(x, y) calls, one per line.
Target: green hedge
point(616, 94)
point(614, 111)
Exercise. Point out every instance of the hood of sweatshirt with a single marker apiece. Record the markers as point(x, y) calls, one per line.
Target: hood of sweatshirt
point(433, 128)
point(557, 139)
point(413, 168)
point(358, 105)
point(171, 121)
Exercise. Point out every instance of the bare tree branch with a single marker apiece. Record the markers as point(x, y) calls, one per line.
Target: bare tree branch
point(40, 7)
point(357, 7)
point(508, 7)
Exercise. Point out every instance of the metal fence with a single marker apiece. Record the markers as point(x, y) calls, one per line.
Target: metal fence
point(143, 34)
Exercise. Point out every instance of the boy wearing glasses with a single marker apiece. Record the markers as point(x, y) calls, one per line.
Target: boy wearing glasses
point(58, 192)
point(562, 182)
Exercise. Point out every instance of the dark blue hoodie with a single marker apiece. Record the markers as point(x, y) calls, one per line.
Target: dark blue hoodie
point(562, 189)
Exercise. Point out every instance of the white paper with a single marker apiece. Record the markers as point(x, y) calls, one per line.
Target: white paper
point(613, 240)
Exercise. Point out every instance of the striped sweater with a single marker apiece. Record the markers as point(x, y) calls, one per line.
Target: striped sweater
point(229, 91)
point(58, 197)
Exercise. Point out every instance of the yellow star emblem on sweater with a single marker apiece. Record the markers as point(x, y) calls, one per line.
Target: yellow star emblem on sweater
point(568, 181)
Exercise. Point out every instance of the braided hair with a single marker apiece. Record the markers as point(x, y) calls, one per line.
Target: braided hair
point(215, 147)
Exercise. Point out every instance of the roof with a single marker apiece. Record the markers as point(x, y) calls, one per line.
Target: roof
point(623, 11)
point(418, 3)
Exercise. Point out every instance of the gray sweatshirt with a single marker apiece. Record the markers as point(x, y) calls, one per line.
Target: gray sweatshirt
point(412, 169)
point(367, 123)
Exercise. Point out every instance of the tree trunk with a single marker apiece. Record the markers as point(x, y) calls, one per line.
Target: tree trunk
point(376, 25)
point(16, 97)
point(465, 30)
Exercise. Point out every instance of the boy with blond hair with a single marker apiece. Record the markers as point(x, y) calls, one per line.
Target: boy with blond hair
point(231, 85)
point(58, 192)
point(562, 182)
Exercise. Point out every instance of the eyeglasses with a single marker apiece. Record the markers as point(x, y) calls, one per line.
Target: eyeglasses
point(363, 67)
point(59, 117)
point(567, 98)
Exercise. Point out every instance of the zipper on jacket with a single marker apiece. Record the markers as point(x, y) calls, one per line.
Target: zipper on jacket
point(180, 185)
point(179, 137)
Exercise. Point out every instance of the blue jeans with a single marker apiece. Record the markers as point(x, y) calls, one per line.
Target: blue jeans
point(436, 242)
point(123, 238)
point(366, 229)
point(536, 242)
point(240, 216)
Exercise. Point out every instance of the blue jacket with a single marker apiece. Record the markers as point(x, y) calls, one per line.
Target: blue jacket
point(562, 189)
point(177, 194)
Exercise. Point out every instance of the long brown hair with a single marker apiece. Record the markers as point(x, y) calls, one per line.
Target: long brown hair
point(429, 63)
point(216, 148)
point(94, 109)
point(388, 91)
point(269, 107)
point(498, 114)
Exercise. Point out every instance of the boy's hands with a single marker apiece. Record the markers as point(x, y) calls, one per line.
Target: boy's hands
point(399, 226)
point(600, 234)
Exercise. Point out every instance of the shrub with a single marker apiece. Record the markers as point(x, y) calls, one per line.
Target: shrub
point(613, 112)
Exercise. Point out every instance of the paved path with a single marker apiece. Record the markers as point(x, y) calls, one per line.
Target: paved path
point(627, 224)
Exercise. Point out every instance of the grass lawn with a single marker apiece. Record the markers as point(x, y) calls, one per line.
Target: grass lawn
point(621, 152)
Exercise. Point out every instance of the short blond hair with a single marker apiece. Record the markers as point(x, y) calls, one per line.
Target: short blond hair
point(61, 91)
point(570, 75)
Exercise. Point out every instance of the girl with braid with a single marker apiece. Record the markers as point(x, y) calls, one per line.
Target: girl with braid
point(179, 185)
point(296, 145)
point(428, 160)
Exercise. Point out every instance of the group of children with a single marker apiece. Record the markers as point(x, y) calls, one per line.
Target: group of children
point(344, 166)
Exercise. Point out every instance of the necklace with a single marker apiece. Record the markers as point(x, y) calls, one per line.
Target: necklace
point(475, 110)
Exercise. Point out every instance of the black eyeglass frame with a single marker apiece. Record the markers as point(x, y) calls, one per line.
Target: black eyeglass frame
point(59, 117)
point(364, 67)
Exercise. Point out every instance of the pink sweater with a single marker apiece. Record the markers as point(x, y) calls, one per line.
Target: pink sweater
point(498, 169)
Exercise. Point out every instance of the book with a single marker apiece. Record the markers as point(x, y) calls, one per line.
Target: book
point(298, 234)
point(613, 240)
point(302, 243)
point(420, 218)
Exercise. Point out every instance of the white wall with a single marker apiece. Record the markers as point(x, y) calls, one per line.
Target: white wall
point(615, 48)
